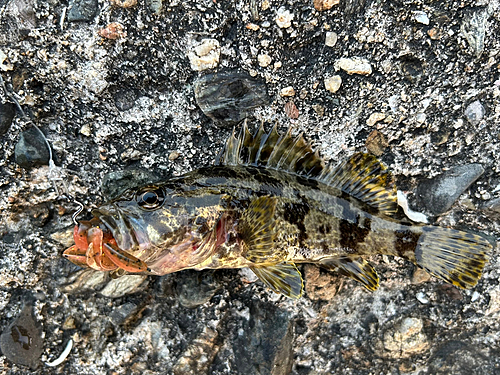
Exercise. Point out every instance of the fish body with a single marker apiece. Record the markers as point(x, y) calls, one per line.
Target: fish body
point(270, 203)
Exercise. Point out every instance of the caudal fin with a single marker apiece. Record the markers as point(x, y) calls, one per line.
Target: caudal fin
point(454, 256)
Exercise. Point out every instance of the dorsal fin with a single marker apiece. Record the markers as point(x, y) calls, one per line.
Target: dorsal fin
point(362, 175)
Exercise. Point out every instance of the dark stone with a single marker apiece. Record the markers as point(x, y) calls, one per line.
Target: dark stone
point(31, 149)
point(7, 113)
point(229, 96)
point(439, 193)
point(264, 344)
point(125, 99)
point(82, 10)
point(195, 288)
point(461, 358)
point(116, 183)
point(22, 342)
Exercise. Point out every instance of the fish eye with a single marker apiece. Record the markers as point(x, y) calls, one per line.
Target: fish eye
point(150, 198)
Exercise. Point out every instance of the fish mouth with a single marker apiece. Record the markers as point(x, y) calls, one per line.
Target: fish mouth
point(107, 242)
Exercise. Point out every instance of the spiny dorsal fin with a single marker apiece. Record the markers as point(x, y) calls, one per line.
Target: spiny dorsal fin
point(362, 175)
point(256, 228)
point(356, 268)
point(283, 278)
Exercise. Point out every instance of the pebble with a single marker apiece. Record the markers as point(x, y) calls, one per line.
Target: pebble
point(493, 205)
point(205, 55)
point(439, 194)
point(125, 99)
point(354, 65)
point(333, 83)
point(124, 3)
point(116, 183)
point(31, 149)
point(474, 27)
point(291, 110)
point(113, 31)
point(155, 6)
point(331, 39)
point(264, 60)
point(321, 5)
point(7, 114)
point(421, 17)
point(195, 288)
point(21, 342)
point(376, 143)
point(474, 112)
point(375, 117)
point(127, 284)
point(287, 91)
point(121, 313)
point(229, 96)
point(420, 276)
point(406, 338)
point(82, 10)
point(284, 18)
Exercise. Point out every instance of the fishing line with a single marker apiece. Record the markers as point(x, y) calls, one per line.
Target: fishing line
point(54, 174)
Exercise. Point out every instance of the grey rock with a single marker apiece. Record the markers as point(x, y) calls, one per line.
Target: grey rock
point(31, 149)
point(7, 113)
point(196, 288)
point(21, 342)
point(439, 193)
point(493, 205)
point(473, 28)
point(474, 112)
point(264, 345)
point(116, 183)
point(121, 313)
point(82, 10)
point(125, 99)
point(229, 96)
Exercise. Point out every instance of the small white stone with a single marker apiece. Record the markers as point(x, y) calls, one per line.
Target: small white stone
point(422, 298)
point(284, 18)
point(421, 17)
point(332, 84)
point(331, 38)
point(354, 65)
point(475, 296)
point(287, 91)
point(264, 60)
point(86, 130)
point(420, 118)
point(205, 55)
point(374, 118)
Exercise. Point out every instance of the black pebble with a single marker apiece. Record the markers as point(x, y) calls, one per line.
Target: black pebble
point(7, 113)
point(22, 342)
point(125, 99)
point(82, 10)
point(31, 149)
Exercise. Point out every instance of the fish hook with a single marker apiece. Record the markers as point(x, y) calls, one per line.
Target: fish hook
point(53, 174)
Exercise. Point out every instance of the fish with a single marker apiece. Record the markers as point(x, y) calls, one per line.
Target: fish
point(270, 202)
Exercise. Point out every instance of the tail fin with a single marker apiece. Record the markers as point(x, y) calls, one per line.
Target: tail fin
point(454, 256)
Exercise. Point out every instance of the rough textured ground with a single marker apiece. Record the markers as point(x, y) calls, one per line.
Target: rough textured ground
point(107, 105)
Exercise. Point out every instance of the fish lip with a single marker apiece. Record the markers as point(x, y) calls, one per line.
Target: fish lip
point(116, 221)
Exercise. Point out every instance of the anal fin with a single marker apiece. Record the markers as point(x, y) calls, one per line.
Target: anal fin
point(282, 278)
point(356, 268)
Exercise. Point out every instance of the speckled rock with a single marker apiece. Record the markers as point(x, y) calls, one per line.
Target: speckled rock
point(406, 338)
point(474, 112)
point(439, 193)
point(31, 149)
point(21, 342)
point(474, 28)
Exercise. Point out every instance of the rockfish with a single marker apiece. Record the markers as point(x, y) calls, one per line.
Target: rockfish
point(268, 203)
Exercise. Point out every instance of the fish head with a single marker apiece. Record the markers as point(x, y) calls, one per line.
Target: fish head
point(166, 229)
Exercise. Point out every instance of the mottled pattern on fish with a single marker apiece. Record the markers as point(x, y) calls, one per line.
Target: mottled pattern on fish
point(270, 202)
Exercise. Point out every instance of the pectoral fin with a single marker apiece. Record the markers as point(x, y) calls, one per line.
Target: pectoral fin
point(354, 267)
point(256, 229)
point(283, 278)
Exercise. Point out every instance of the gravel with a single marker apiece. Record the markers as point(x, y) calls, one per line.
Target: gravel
point(108, 105)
